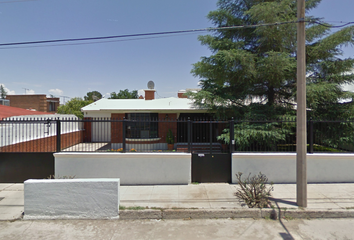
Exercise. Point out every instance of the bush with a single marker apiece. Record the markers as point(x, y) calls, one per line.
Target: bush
point(254, 191)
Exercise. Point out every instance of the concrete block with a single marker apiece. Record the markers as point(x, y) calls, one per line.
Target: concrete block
point(71, 198)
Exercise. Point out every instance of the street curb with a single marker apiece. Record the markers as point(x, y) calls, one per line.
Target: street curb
point(234, 213)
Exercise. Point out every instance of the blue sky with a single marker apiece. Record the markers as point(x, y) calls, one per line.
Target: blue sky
point(74, 70)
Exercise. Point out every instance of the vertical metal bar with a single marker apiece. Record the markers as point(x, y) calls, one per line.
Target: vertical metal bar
point(124, 133)
point(232, 135)
point(189, 134)
point(58, 135)
point(311, 135)
point(211, 136)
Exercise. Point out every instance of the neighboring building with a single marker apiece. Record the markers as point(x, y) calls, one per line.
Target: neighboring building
point(4, 102)
point(7, 112)
point(169, 111)
point(24, 130)
point(38, 102)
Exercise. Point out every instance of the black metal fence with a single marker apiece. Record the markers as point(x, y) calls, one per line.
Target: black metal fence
point(167, 135)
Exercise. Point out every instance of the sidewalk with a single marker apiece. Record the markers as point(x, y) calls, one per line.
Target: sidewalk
point(208, 200)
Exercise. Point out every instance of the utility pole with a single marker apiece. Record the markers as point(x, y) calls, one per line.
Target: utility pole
point(26, 90)
point(301, 150)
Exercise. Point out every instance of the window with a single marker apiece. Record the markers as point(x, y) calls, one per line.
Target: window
point(142, 125)
point(51, 107)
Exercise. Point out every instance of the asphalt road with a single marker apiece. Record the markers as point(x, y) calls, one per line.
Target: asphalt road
point(179, 229)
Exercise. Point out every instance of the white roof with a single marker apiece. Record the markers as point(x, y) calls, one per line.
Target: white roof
point(163, 104)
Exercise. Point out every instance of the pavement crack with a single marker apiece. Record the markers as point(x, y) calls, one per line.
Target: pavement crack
point(247, 228)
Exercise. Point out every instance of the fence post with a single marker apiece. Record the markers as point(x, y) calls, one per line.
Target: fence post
point(189, 135)
point(58, 135)
point(311, 135)
point(211, 137)
point(124, 134)
point(232, 135)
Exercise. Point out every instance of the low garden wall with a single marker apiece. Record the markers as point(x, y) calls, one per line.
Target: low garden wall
point(131, 168)
point(281, 167)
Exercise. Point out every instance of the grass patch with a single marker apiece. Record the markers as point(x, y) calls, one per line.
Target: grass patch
point(131, 208)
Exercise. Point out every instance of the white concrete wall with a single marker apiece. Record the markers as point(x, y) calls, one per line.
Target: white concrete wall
point(131, 168)
point(71, 198)
point(281, 167)
point(17, 132)
point(101, 131)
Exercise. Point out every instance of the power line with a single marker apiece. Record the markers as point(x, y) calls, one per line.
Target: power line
point(166, 33)
point(93, 42)
point(141, 34)
point(332, 26)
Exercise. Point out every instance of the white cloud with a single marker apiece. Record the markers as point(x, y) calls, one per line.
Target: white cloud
point(30, 91)
point(56, 91)
point(9, 92)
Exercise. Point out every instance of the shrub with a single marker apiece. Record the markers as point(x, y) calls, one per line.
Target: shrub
point(254, 191)
point(169, 137)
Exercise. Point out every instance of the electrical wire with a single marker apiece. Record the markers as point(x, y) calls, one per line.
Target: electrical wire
point(94, 42)
point(332, 26)
point(167, 33)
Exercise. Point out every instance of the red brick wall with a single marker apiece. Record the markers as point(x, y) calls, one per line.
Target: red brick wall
point(182, 95)
point(149, 94)
point(166, 125)
point(117, 128)
point(163, 127)
point(38, 101)
point(48, 144)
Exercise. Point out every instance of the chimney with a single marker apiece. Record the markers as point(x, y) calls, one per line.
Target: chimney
point(181, 94)
point(149, 94)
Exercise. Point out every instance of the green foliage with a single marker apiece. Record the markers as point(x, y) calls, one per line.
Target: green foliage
point(169, 137)
point(3, 92)
point(124, 94)
point(254, 191)
point(258, 65)
point(265, 136)
point(74, 107)
point(93, 96)
point(131, 208)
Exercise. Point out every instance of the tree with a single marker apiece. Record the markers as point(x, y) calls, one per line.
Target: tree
point(124, 94)
point(3, 92)
point(93, 96)
point(74, 107)
point(252, 71)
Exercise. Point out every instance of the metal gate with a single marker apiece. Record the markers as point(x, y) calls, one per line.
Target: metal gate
point(18, 167)
point(211, 167)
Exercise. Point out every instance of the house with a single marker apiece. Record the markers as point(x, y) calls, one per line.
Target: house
point(147, 121)
point(38, 102)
